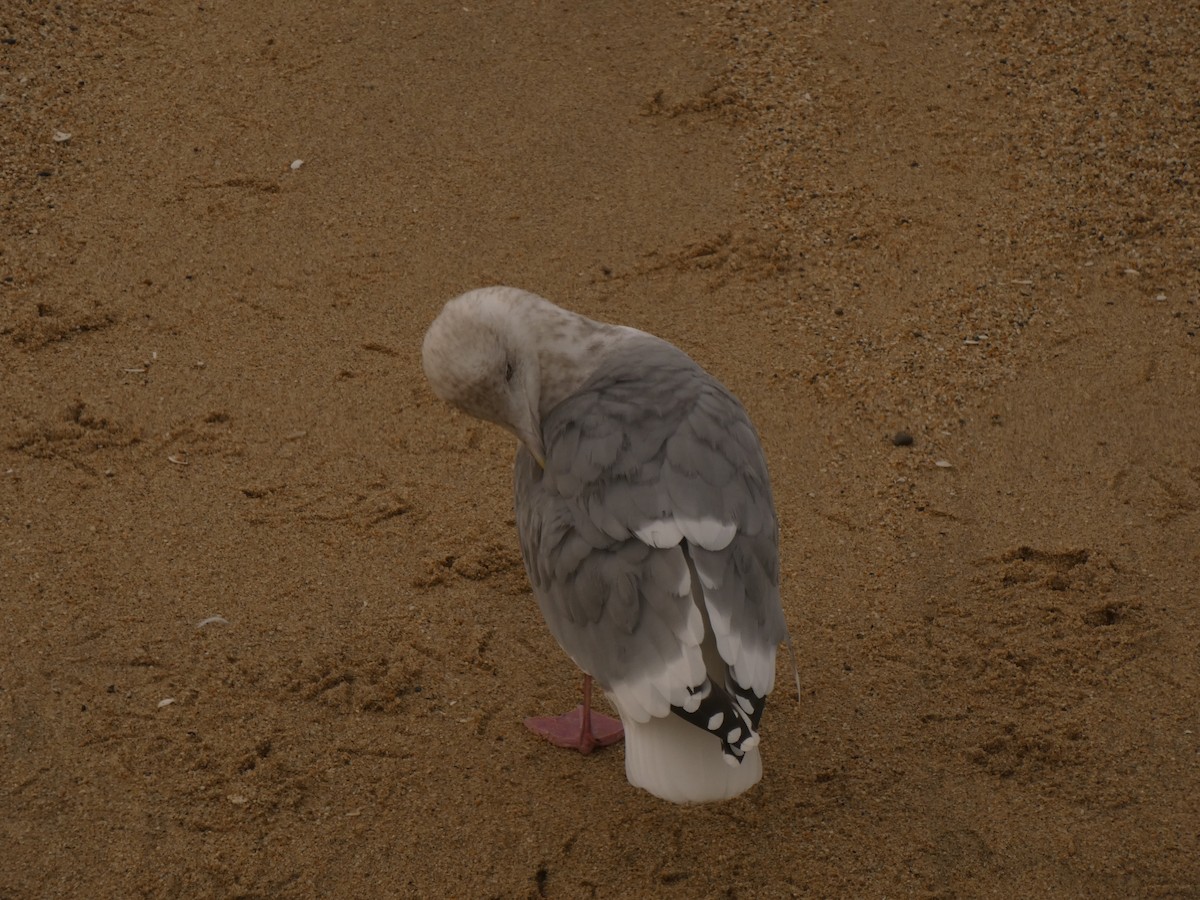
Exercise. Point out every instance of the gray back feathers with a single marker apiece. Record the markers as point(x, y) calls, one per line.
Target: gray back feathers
point(651, 438)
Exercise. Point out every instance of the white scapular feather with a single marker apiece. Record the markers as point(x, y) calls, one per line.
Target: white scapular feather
point(708, 533)
point(660, 533)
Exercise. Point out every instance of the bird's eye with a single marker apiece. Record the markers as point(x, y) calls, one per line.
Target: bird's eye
point(508, 372)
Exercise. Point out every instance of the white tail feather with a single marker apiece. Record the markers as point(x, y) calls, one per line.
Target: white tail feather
point(677, 761)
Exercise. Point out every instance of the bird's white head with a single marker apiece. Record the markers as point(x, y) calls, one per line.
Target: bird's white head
point(481, 355)
point(509, 356)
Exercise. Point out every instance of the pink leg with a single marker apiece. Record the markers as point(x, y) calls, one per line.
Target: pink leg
point(580, 729)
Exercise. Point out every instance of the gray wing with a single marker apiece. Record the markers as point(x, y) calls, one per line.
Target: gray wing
point(654, 481)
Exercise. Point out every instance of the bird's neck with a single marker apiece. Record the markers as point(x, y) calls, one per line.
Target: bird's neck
point(570, 350)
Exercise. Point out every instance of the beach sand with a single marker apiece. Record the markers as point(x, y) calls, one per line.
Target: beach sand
point(266, 631)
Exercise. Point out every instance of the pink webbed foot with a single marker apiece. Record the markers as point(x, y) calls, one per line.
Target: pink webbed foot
point(581, 729)
point(569, 730)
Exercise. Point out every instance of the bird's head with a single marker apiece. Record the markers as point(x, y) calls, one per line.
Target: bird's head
point(481, 355)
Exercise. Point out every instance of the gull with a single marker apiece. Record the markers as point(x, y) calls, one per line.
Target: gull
point(647, 528)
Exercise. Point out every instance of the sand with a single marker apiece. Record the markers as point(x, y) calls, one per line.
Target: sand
point(265, 629)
